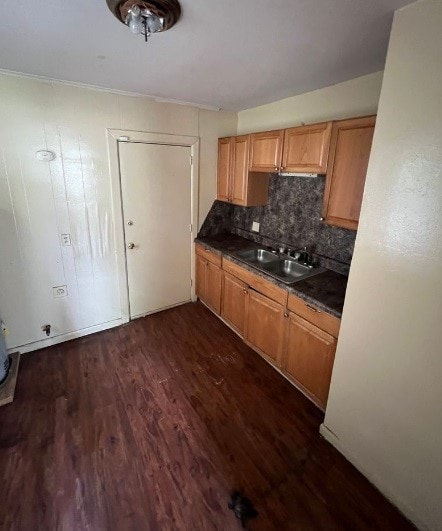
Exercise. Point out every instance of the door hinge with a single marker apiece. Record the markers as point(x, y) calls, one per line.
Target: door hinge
point(190, 227)
point(191, 282)
point(191, 160)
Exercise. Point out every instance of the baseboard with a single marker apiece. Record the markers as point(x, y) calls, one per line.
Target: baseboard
point(50, 341)
point(377, 482)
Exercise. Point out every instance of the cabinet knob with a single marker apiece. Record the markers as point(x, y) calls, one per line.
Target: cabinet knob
point(286, 314)
point(245, 290)
point(321, 219)
point(131, 246)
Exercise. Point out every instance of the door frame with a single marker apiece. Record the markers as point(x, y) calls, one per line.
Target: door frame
point(114, 136)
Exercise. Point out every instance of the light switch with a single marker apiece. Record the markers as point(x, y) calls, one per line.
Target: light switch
point(255, 226)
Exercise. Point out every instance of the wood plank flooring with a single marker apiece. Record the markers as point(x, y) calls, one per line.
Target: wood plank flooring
point(152, 425)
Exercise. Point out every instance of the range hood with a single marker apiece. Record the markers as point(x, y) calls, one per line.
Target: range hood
point(298, 174)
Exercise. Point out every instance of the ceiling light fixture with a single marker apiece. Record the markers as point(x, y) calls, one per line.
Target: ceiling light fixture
point(145, 17)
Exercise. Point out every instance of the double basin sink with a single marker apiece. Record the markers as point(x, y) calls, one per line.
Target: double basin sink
point(282, 267)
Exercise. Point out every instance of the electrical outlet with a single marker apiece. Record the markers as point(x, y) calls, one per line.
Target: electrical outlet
point(255, 226)
point(66, 240)
point(60, 291)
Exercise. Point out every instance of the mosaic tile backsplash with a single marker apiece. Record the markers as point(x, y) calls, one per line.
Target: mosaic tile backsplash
point(292, 218)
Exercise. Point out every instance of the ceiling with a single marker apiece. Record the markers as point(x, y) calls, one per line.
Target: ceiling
point(227, 54)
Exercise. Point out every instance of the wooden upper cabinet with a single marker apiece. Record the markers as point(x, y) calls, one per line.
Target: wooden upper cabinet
point(350, 148)
point(306, 148)
point(266, 151)
point(225, 148)
point(235, 183)
point(240, 170)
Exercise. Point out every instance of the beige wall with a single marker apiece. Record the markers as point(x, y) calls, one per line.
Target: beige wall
point(39, 201)
point(385, 407)
point(357, 97)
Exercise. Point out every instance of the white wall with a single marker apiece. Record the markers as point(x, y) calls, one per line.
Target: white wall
point(357, 97)
point(385, 407)
point(39, 201)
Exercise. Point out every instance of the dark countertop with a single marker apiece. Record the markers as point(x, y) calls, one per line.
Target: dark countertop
point(325, 290)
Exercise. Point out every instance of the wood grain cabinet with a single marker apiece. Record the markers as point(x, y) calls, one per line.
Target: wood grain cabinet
point(350, 148)
point(306, 148)
point(225, 148)
point(234, 298)
point(265, 326)
point(309, 349)
point(309, 356)
point(208, 278)
point(235, 183)
point(266, 151)
point(294, 336)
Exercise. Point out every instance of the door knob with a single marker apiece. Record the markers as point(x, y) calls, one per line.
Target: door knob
point(130, 245)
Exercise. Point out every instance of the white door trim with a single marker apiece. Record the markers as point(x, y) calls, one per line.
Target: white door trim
point(113, 137)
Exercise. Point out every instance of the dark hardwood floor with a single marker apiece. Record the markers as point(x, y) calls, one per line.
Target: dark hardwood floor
point(152, 425)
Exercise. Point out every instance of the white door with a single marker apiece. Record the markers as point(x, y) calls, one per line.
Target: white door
point(156, 191)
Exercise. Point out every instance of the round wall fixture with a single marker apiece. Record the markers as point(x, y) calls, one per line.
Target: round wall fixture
point(145, 17)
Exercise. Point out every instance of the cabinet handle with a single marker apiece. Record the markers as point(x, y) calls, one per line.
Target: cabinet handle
point(313, 309)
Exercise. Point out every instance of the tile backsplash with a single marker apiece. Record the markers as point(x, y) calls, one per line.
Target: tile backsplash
point(292, 218)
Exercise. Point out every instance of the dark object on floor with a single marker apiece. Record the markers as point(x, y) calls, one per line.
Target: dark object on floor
point(242, 507)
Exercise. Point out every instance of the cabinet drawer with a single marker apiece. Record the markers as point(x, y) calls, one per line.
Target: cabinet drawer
point(321, 319)
point(210, 256)
point(256, 282)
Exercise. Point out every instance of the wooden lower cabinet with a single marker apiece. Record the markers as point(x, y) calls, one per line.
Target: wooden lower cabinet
point(308, 357)
point(200, 277)
point(234, 298)
point(208, 283)
point(294, 336)
point(265, 325)
point(213, 287)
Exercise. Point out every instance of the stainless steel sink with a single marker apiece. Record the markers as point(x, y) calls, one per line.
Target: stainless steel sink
point(258, 256)
point(284, 269)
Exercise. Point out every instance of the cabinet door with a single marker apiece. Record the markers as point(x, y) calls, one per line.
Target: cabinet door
point(240, 169)
point(306, 148)
point(349, 153)
point(234, 295)
point(265, 325)
point(266, 151)
point(224, 168)
point(200, 277)
point(213, 287)
point(309, 357)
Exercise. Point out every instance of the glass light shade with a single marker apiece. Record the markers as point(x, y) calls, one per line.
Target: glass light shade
point(154, 24)
point(134, 20)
